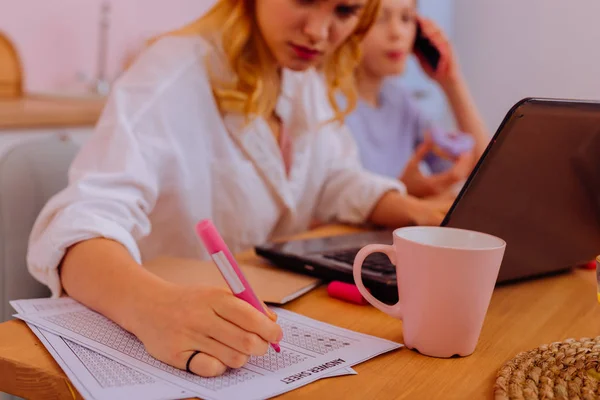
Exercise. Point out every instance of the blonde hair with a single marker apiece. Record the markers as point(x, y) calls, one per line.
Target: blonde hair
point(255, 89)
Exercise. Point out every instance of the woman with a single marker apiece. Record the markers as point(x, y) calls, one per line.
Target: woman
point(226, 120)
point(392, 134)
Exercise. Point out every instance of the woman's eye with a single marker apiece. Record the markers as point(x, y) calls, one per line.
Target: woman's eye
point(344, 11)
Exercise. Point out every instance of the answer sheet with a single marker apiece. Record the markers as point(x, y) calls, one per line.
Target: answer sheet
point(94, 375)
point(310, 350)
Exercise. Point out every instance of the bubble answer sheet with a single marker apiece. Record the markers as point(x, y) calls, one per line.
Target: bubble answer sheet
point(98, 377)
point(119, 367)
point(95, 376)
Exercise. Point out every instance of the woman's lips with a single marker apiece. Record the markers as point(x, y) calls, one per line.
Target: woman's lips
point(305, 53)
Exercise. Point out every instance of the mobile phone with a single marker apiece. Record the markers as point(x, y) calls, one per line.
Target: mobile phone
point(424, 47)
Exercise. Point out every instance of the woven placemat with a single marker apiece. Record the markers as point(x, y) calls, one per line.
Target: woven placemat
point(561, 370)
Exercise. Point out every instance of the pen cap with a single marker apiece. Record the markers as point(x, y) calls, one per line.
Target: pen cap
point(210, 236)
point(346, 292)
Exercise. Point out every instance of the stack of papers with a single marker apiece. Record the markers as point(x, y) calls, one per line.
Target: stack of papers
point(103, 361)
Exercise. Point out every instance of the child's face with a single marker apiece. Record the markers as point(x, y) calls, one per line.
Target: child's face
point(301, 33)
point(390, 41)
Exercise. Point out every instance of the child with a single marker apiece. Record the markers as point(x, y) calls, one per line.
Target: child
point(224, 121)
point(392, 135)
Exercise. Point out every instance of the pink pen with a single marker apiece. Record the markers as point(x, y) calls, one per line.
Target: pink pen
point(229, 268)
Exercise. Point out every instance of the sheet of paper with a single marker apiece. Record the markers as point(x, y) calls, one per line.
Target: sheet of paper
point(94, 375)
point(310, 350)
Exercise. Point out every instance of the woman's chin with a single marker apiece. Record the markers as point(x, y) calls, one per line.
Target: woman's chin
point(298, 64)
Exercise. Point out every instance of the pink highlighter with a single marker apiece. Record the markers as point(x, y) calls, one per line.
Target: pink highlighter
point(229, 268)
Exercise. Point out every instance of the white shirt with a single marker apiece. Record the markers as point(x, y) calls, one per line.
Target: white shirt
point(162, 158)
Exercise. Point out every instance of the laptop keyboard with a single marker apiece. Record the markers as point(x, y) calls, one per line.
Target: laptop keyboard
point(377, 262)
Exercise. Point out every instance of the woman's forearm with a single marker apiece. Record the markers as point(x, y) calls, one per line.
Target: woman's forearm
point(466, 114)
point(101, 274)
point(394, 210)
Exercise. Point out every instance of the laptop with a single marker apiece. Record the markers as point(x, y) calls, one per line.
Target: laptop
point(537, 186)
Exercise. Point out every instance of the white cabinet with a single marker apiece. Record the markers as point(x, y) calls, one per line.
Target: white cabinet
point(9, 138)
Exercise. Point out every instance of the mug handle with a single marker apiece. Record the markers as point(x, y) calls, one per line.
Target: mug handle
point(395, 310)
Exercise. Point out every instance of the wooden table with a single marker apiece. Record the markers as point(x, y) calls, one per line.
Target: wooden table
point(49, 112)
point(521, 317)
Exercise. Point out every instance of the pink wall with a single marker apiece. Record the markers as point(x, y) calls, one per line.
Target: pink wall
point(57, 39)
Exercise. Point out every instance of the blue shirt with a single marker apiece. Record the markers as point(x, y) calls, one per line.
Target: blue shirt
point(388, 135)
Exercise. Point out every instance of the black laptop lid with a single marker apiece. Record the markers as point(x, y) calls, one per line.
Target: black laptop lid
point(538, 187)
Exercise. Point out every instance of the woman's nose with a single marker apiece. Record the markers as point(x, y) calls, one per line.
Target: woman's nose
point(317, 27)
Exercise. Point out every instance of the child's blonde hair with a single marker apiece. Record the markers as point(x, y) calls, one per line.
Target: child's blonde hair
point(255, 89)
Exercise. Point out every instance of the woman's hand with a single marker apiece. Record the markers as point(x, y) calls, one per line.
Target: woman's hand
point(395, 209)
point(434, 185)
point(447, 69)
point(172, 321)
point(431, 212)
point(225, 329)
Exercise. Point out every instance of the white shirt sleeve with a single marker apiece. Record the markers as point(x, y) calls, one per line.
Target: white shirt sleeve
point(113, 186)
point(117, 177)
point(350, 192)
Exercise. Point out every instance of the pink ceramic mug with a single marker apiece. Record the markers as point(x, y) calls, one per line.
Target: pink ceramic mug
point(446, 277)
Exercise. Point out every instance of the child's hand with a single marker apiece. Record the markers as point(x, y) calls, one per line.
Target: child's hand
point(447, 67)
point(420, 185)
point(225, 329)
